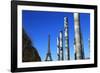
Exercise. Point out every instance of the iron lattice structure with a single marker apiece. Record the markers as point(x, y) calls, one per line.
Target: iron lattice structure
point(48, 56)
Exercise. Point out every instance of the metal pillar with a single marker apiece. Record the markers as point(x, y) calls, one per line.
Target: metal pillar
point(66, 38)
point(78, 43)
point(58, 48)
point(61, 45)
point(74, 50)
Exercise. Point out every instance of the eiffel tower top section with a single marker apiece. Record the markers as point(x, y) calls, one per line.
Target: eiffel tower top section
point(49, 43)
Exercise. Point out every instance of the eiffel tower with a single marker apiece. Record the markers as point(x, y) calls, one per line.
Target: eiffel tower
point(48, 56)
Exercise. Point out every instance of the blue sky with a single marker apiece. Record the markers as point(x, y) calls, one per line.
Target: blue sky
point(38, 24)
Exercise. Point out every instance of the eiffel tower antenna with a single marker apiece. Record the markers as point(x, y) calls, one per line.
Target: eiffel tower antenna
point(48, 56)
